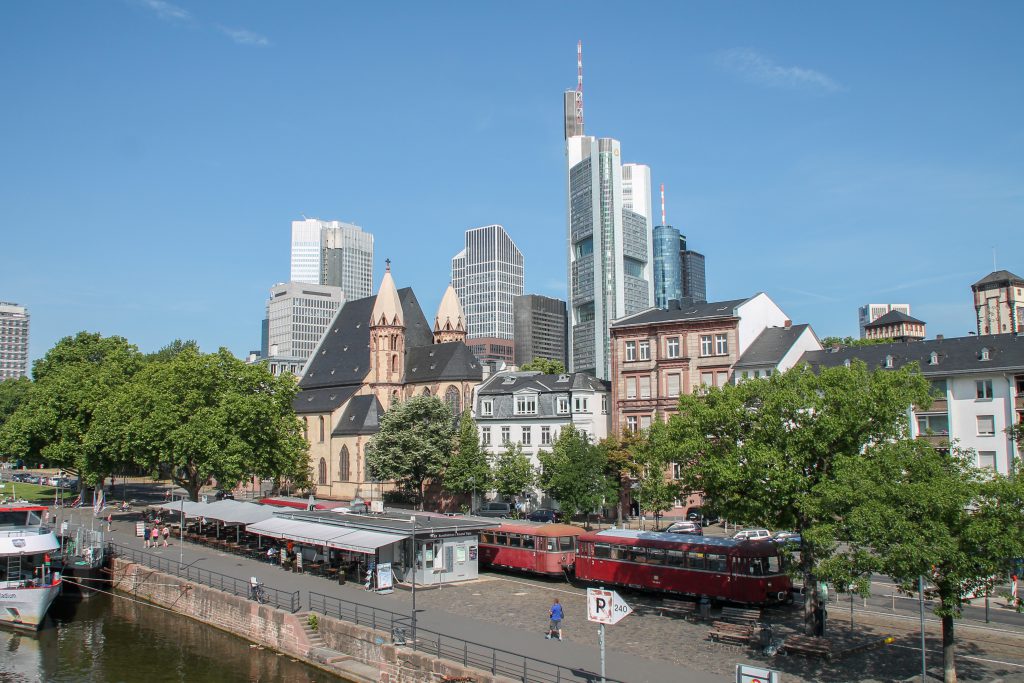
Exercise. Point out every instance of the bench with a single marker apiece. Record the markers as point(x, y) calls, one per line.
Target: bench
point(737, 634)
point(684, 608)
point(740, 615)
point(808, 646)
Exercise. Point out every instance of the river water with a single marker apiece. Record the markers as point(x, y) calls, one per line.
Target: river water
point(110, 639)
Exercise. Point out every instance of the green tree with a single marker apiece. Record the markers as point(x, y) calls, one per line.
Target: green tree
point(760, 450)
point(513, 472)
point(908, 510)
point(655, 492)
point(547, 366)
point(52, 423)
point(575, 473)
point(468, 471)
point(622, 452)
point(200, 417)
point(415, 442)
point(828, 342)
point(13, 393)
point(171, 350)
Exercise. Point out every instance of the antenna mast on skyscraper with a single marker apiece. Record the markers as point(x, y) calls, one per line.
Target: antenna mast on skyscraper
point(663, 204)
point(579, 86)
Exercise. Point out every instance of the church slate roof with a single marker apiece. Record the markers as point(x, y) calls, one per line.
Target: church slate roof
point(770, 347)
point(893, 318)
point(361, 416)
point(448, 361)
point(322, 400)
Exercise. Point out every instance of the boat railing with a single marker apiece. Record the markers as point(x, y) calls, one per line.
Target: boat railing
point(22, 532)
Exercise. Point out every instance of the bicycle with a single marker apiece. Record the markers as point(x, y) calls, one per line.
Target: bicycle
point(256, 591)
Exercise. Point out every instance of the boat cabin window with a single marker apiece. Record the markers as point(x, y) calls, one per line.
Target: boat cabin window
point(20, 518)
point(567, 543)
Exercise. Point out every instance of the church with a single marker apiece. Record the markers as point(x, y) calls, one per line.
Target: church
point(378, 350)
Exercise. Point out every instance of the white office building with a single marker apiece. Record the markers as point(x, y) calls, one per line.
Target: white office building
point(487, 274)
point(298, 313)
point(332, 253)
point(14, 321)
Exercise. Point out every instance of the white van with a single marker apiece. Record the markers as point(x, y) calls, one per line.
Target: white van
point(752, 534)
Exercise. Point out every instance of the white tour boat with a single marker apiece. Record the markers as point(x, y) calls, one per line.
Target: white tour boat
point(27, 584)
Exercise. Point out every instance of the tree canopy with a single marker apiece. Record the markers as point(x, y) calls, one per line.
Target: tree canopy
point(761, 450)
point(13, 393)
point(547, 366)
point(907, 510)
point(513, 472)
point(655, 492)
point(53, 421)
point(200, 417)
point(415, 442)
point(853, 341)
point(468, 469)
point(575, 473)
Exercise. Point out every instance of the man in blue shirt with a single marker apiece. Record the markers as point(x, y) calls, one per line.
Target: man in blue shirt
point(556, 621)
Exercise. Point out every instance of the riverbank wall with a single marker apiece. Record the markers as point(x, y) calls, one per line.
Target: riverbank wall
point(356, 653)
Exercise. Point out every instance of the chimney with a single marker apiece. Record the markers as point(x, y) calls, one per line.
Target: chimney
point(939, 337)
point(788, 324)
point(674, 305)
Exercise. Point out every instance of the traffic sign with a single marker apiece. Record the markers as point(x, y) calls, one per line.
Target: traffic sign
point(754, 674)
point(606, 607)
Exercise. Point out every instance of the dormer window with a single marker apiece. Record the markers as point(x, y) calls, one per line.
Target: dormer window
point(933, 359)
point(564, 378)
point(487, 407)
point(526, 404)
point(509, 380)
point(888, 361)
point(563, 405)
point(984, 353)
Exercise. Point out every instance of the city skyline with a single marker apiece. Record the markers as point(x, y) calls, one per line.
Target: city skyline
point(801, 165)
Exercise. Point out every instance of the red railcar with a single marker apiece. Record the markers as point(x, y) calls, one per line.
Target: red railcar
point(533, 547)
point(749, 572)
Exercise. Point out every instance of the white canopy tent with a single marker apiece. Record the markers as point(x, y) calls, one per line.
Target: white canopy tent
point(327, 535)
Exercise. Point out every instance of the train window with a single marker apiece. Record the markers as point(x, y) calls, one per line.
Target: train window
point(772, 565)
point(567, 543)
point(675, 558)
point(757, 566)
point(695, 561)
point(528, 542)
point(716, 562)
point(486, 538)
point(552, 544)
point(602, 550)
point(655, 556)
point(637, 555)
point(500, 539)
point(515, 541)
point(619, 553)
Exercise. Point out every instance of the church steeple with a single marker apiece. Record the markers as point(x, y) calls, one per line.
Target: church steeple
point(387, 341)
point(450, 323)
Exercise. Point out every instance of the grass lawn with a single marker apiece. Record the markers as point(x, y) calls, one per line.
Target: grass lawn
point(43, 495)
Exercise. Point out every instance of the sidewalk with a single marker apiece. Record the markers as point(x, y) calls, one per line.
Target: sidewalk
point(568, 654)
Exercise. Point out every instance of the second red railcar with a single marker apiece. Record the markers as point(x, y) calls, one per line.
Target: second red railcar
point(533, 547)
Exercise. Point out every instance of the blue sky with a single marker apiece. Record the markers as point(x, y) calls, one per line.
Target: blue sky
point(154, 153)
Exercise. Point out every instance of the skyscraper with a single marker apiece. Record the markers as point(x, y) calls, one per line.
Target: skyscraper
point(668, 280)
point(14, 321)
point(540, 328)
point(332, 253)
point(692, 276)
point(610, 252)
point(297, 315)
point(487, 274)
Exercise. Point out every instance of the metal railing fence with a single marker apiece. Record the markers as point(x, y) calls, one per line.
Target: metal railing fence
point(282, 599)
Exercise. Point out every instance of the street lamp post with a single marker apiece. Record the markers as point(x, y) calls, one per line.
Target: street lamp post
point(412, 518)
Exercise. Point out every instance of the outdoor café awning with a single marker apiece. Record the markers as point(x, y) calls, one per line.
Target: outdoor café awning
point(328, 535)
point(224, 511)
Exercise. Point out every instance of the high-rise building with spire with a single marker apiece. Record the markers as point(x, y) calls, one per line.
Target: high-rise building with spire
point(609, 229)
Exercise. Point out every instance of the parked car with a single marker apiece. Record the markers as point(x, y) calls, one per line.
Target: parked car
point(789, 537)
point(545, 515)
point(753, 534)
point(494, 509)
point(696, 514)
point(20, 476)
point(685, 528)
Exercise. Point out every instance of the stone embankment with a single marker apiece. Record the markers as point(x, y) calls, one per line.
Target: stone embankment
point(356, 653)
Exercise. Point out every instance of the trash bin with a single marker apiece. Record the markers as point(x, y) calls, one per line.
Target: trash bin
point(705, 608)
point(341, 577)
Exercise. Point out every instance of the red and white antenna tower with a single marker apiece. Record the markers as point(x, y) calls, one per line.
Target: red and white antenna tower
point(579, 85)
point(663, 204)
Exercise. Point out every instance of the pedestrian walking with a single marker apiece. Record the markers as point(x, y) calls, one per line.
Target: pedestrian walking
point(1013, 588)
point(166, 533)
point(555, 626)
point(154, 536)
point(145, 536)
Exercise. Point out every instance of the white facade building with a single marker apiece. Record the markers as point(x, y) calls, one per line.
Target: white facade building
point(869, 313)
point(487, 274)
point(532, 409)
point(14, 323)
point(776, 349)
point(332, 253)
point(978, 389)
point(298, 313)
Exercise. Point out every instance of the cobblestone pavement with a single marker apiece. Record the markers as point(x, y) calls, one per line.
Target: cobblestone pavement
point(654, 633)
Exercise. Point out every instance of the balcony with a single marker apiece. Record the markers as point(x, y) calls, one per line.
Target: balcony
point(940, 441)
